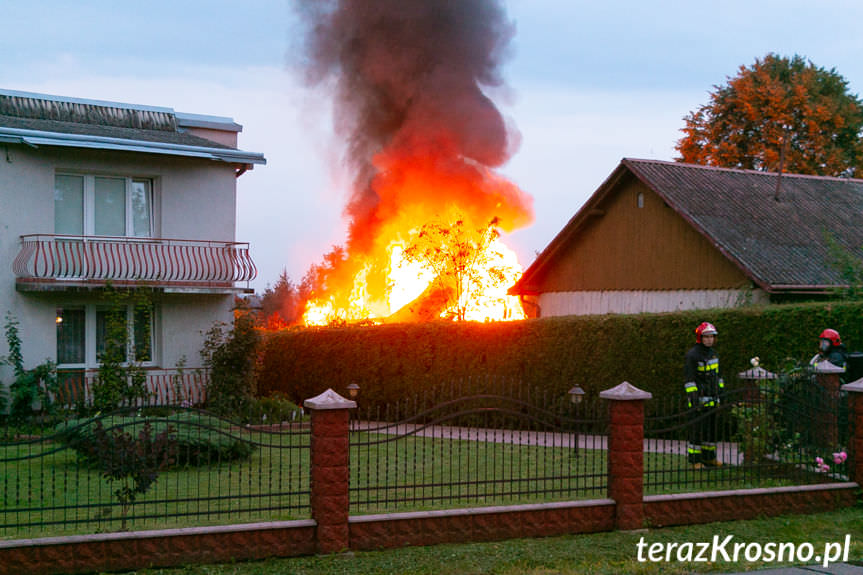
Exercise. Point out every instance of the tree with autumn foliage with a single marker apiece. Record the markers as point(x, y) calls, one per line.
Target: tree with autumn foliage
point(460, 257)
point(780, 111)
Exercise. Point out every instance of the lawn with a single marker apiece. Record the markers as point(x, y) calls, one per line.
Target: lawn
point(612, 553)
point(45, 490)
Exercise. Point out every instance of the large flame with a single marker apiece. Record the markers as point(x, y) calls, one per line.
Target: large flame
point(410, 79)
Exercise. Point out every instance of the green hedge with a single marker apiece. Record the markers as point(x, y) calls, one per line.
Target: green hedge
point(200, 439)
point(595, 352)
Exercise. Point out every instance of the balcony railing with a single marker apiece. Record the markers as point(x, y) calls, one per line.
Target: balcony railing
point(98, 260)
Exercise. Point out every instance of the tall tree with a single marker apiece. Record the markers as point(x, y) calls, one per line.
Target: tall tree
point(282, 304)
point(778, 109)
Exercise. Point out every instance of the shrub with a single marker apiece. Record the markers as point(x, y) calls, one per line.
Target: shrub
point(390, 362)
point(200, 439)
point(32, 387)
point(231, 356)
point(131, 457)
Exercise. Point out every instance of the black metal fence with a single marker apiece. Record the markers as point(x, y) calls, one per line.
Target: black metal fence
point(471, 443)
point(773, 430)
point(476, 443)
point(150, 467)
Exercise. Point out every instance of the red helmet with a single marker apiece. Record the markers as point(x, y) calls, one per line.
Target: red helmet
point(832, 335)
point(704, 329)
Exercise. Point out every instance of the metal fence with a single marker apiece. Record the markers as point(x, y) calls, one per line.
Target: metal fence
point(788, 429)
point(118, 471)
point(460, 446)
point(465, 444)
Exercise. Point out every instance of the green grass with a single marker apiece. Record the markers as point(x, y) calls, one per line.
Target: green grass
point(46, 485)
point(612, 553)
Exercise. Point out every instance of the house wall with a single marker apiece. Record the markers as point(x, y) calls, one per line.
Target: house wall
point(640, 301)
point(629, 248)
point(633, 256)
point(194, 199)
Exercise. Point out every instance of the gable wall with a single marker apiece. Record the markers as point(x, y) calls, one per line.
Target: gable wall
point(632, 248)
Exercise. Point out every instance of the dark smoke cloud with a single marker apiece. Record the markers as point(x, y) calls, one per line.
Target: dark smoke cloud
point(409, 78)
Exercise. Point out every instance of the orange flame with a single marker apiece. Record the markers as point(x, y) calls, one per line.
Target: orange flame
point(378, 283)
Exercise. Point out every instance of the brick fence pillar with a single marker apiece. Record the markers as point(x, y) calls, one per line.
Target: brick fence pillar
point(330, 473)
point(855, 419)
point(626, 453)
point(827, 432)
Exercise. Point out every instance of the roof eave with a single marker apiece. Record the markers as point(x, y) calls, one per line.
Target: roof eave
point(572, 226)
point(36, 138)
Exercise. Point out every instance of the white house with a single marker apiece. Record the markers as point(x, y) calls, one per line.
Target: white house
point(141, 198)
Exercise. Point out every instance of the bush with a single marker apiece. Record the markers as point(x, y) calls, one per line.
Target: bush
point(231, 357)
point(200, 439)
point(390, 362)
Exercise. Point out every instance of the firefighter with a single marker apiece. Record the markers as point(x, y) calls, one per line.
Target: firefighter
point(830, 348)
point(704, 386)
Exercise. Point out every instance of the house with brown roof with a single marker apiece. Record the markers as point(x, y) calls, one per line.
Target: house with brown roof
point(662, 236)
point(140, 198)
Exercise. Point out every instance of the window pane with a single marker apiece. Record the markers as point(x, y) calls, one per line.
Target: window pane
point(70, 335)
point(142, 200)
point(110, 207)
point(69, 205)
point(143, 333)
point(112, 334)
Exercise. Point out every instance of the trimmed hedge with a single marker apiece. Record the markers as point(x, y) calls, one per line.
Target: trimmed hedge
point(200, 439)
point(390, 362)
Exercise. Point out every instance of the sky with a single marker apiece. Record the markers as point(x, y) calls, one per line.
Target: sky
point(587, 84)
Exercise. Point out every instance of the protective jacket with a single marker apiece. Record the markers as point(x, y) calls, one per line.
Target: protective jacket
point(704, 383)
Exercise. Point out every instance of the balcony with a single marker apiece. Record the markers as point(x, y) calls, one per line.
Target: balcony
point(51, 262)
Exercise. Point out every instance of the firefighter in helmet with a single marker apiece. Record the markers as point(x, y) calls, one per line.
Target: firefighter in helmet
point(830, 348)
point(704, 386)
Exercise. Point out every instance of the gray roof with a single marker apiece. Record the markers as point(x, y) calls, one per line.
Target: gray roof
point(43, 120)
point(780, 243)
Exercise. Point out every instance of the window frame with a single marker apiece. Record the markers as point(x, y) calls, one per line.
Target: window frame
point(89, 203)
point(91, 311)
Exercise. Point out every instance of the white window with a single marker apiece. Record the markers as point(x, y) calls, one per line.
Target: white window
point(86, 205)
point(83, 331)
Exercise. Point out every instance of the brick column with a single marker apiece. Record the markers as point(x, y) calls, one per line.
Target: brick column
point(827, 432)
point(626, 453)
point(330, 473)
point(855, 419)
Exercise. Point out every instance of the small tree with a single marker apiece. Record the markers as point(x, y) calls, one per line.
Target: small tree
point(121, 378)
point(31, 385)
point(460, 258)
point(132, 461)
point(231, 357)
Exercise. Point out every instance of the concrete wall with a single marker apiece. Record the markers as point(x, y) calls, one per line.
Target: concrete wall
point(193, 199)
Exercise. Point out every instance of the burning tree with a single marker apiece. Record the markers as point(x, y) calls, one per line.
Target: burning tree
point(464, 261)
point(412, 81)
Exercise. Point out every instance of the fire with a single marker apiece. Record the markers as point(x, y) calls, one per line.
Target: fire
point(412, 84)
point(421, 288)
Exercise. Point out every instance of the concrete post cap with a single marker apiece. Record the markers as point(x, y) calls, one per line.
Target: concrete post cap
point(827, 367)
point(854, 386)
point(329, 400)
point(625, 392)
point(756, 373)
